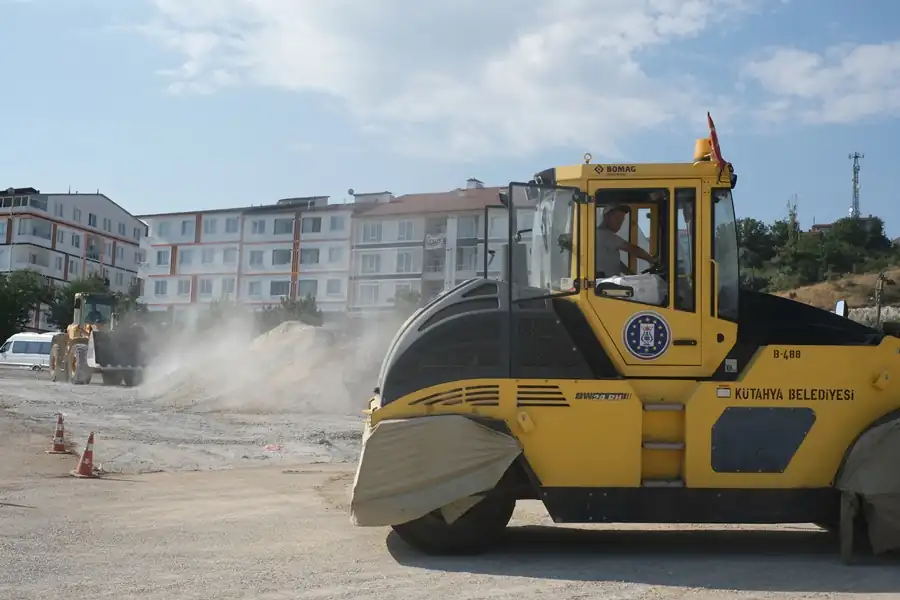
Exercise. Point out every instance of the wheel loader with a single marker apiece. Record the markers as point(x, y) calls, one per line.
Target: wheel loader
point(95, 342)
point(655, 391)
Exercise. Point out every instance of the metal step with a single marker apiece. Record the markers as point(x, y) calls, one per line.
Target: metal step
point(662, 483)
point(663, 445)
point(663, 406)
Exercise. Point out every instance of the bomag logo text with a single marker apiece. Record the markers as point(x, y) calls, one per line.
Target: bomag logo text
point(613, 169)
point(602, 396)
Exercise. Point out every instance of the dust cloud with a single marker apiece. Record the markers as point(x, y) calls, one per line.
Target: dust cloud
point(293, 368)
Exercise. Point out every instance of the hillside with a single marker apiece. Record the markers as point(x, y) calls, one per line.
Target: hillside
point(856, 290)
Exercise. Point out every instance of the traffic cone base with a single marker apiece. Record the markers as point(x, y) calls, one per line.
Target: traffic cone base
point(59, 443)
point(85, 468)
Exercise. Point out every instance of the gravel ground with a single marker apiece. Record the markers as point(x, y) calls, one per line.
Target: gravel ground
point(134, 434)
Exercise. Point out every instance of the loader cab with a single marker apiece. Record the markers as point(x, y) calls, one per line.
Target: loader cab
point(93, 309)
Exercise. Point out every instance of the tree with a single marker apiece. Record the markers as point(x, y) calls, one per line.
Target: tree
point(21, 292)
point(62, 301)
point(406, 302)
point(756, 242)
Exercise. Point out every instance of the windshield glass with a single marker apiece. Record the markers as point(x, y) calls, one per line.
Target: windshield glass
point(551, 245)
point(725, 253)
point(96, 311)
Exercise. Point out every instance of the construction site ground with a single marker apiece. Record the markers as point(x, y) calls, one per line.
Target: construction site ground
point(194, 506)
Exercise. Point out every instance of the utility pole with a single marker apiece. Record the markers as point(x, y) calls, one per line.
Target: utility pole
point(854, 206)
point(12, 232)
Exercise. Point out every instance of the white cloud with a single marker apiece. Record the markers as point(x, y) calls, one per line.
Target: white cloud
point(468, 78)
point(844, 84)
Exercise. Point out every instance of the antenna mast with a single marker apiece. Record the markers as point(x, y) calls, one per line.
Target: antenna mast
point(854, 206)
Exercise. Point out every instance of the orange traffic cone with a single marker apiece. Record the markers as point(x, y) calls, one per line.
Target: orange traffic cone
point(85, 466)
point(59, 444)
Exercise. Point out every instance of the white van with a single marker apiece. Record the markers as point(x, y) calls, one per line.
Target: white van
point(30, 350)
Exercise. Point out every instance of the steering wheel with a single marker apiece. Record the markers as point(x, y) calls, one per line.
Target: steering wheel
point(654, 269)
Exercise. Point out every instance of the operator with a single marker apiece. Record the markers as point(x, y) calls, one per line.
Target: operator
point(94, 316)
point(608, 243)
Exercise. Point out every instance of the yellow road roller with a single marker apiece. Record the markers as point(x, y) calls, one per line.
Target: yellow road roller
point(617, 372)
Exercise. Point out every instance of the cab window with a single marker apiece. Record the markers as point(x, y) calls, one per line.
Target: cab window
point(685, 249)
point(5, 347)
point(725, 254)
point(630, 244)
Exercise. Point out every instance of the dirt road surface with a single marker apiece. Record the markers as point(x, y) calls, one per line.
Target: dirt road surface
point(281, 530)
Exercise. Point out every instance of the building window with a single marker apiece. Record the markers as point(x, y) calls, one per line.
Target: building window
point(184, 287)
point(231, 225)
point(107, 225)
point(371, 232)
point(337, 223)
point(466, 257)
point(283, 226)
point(164, 229)
point(187, 227)
point(76, 215)
point(120, 253)
point(402, 287)
point(335, 254)
point(333, 287)
point(371, 263)
point(228, 285)
point(185, 257)
point(76, 240)
point(368, 293)
point(162, 258)
point(229, 256)
point(307, 287)
point(206, 287)
point(281, 257)
point(60, 236)
point(59, 263)
point(258, 227)
point(137, 233)
point(210, 226)
point(208, 256)
point(309, 256)
point(311, 225)
point(404, 231)
point(59, 210)
point(404, 262)
point(92, 220)
point(279, 288)
point(120, 279)
point(122, 229)
point(255, 289)
point(160, 287)
point(256, 258)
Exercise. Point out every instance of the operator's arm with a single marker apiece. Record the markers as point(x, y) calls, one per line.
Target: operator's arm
point(639, 252)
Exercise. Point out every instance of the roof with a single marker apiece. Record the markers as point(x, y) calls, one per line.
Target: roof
point(459, 200)
point(278, 207)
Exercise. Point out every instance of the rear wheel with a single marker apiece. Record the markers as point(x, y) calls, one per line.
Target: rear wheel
point(472, 533)
point(58, 363)
point(131, 378)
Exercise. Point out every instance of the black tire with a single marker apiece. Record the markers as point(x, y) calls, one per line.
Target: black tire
point(131, 378)
point(77, 368)
point(474, 532)
point(58, 363)
point(111, 378)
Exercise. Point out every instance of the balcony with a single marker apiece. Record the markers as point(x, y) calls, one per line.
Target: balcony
point(434, 264)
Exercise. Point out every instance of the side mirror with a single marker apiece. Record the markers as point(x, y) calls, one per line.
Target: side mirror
point(841, 308)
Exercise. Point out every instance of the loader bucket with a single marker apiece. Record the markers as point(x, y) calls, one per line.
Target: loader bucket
point(117, 349)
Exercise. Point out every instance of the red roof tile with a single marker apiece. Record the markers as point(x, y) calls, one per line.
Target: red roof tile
point(460, 200)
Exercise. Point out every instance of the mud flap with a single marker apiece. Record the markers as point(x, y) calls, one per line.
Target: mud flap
point(410, 467)
point(871, 473)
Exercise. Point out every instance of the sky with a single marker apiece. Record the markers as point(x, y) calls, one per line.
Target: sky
point(179, 105)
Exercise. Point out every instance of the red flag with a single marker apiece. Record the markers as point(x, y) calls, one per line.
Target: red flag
point(714, 139)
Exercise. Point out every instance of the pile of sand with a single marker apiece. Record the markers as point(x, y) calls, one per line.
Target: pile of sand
point(292, 368)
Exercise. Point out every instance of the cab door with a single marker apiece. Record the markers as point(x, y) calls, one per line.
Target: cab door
point(649, 315)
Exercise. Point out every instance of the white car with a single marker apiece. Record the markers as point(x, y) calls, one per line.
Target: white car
point(30, 350)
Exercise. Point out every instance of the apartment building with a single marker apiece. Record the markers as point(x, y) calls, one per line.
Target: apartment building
point(424, 242)
point(254, 255)
point(68, 236)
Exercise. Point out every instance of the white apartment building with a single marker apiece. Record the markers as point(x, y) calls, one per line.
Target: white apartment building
point(424, 242)
point(254, 255)
point(65, 237)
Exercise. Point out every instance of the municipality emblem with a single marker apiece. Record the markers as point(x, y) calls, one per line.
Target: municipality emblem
point(646, 335)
